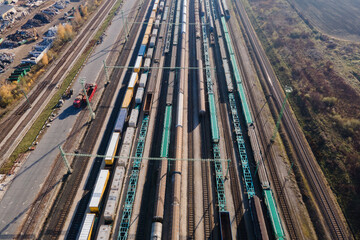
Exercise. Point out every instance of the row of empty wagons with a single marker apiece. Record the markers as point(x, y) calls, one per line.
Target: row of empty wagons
point(139, 78)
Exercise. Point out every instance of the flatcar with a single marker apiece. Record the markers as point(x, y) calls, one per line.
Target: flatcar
point(104, 232)
point(115, 191)
point(134, 115)
point(98, 192)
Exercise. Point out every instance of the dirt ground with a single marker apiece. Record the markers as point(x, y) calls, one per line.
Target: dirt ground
point(337, 18)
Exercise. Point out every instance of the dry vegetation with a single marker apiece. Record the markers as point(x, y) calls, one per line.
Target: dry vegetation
point(325, 75)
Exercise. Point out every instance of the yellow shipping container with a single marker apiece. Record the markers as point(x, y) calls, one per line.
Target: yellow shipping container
point(127, 98)
point(145, 40)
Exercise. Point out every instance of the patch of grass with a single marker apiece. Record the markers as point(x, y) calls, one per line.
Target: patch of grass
point(41, 120)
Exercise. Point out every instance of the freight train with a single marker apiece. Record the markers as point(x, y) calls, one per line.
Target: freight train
point(126, 119)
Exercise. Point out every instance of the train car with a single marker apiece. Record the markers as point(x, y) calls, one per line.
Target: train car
point(127, 98)
point(138, 64)
point(225, 226)
point(152, 42)
point(133, 80)
point(148, 103)
point(211, 24)
point(143, 79)
point(134, 115)
point(111, 150)
point(104, 232)
point(155, 7)
point(139, 95)
point(226, 9)
point(264, 180)
point(120, 121)
point(87, 227)
point(162, 4)
point(153, 15)
point(147, 64)
point(165, 15)
point(142, 50)
point(154, 32)
point(228, 77)
point(258, 219)
point(145, 40)
point(169, 96)
point(98, 192)
point(157, 23)
point(129, 135)
point(115, 191)
point(150, 52)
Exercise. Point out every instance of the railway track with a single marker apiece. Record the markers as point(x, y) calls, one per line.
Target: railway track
point(269, 154)
point(297, 140)
point(193, 122)
point(44, 88)
point(61, 207)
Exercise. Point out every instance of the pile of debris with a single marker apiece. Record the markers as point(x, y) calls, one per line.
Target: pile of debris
point(38, 20)
point(61, 4)
point(51, 11)
point(20, 35)
point(51, 32)
point(9, 44)
point(5, 60)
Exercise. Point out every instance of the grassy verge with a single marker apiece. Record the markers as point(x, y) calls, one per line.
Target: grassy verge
point(41, 120)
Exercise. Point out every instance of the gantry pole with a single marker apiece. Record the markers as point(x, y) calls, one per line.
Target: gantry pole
point(92, 114)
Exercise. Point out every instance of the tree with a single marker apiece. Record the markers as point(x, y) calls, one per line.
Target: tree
point(77, 17)
point(45, 59)
point(61, 32)
point(69, 32)
point(84, 11)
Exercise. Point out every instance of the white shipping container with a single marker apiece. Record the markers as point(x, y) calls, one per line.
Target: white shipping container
point(154, 32)
point(138, 64)
point(112, 146)
point(155, 7)
point(147, 64)
point(143, 80)
point(139, 95)
point(133, 80)
point(87, 227)
point(98, 191)
point(134, 116)
point(152, 41)
point(157, 23)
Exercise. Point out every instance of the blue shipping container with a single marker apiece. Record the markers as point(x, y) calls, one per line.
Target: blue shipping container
point(120, 121)
point(142, 50)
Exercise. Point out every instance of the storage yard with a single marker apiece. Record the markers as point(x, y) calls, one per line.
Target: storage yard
point(176, 147)
point(22, 31)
